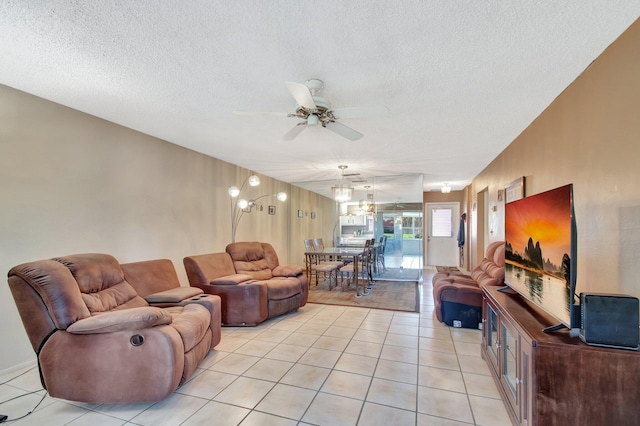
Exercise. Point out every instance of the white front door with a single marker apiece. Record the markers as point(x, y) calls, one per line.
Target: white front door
point(443, 222)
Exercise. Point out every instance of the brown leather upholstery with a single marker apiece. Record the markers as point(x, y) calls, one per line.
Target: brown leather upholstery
point(466, 289)
point(97, 340)
point(252, 284)
point(157, 282)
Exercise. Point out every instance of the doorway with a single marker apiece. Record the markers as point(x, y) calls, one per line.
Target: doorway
point(442, 232)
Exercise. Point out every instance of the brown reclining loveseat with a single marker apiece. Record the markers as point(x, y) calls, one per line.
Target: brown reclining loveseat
point(97, 340)
point(457, 297)
point(250, 281)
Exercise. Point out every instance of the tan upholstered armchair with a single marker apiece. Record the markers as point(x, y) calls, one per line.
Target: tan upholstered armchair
point(98, 341)
point(250, 281)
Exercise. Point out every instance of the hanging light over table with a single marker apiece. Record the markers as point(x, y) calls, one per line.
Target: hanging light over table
point(341, 192)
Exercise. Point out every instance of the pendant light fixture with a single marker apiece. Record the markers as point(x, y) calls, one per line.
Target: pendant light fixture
point(342, 192)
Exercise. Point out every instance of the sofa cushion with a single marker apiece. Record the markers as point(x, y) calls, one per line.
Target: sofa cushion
point(287, 271)
point(174, 295)
point(191, 321)
point(101, 282)
point(204, 268)
point(151, 276)
point(249, 258)
point(232, 279)
point(93, 271)
point(119, 296)
point(279, 288)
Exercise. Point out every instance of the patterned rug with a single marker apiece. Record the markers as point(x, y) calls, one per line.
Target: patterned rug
point(390, 295)
point(447, 268)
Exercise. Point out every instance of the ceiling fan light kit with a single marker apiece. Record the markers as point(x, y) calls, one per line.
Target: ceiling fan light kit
point(313, 110)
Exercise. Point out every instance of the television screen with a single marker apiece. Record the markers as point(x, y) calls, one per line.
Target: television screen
point(540, 251)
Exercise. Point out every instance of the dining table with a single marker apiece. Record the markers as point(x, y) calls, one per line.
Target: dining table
point(352, 253)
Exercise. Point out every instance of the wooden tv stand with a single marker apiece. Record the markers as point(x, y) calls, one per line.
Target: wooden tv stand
point(553, 378)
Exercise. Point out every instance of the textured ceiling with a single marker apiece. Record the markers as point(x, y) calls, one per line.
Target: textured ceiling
point(461, 78)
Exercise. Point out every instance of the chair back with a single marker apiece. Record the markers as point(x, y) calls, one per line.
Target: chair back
point(53, 294)
point(253, 258)
point(309, 245)
point(318, 243)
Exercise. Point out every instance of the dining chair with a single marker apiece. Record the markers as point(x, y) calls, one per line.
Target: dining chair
point(316, 265)
point(319, 244)
point(364, 266)
point(380, 254)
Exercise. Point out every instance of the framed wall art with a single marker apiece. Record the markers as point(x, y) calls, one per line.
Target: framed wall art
point(515, 190)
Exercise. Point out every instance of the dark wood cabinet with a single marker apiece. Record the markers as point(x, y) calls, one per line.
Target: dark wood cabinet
point(553, 378)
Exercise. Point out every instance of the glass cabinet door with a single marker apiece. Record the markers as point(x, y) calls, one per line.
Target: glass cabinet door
point(492, 335)
point(508, 362)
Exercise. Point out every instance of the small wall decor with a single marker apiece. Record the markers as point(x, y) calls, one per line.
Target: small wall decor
point(500, 194)
point(515, 190)
point(272, 210)
point(313, 215)
point(300, 213)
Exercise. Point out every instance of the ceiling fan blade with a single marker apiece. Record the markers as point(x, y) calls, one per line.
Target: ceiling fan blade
point(273, 114)
point(343, 130)
point(295, 131)
point(302, 95)
point(356, 112)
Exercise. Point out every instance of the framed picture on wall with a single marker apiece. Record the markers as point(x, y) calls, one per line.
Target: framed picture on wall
point(313, 215)
point(515, 190)
point(300, 213)
point(272, 210)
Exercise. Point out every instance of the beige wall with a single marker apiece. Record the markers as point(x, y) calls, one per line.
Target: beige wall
point(589, 136)
point(73, 183)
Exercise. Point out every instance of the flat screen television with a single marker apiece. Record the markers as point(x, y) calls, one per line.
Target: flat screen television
point(540, 253)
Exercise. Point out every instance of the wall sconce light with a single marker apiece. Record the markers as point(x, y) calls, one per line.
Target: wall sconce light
point(242, 206)
point(445, 188)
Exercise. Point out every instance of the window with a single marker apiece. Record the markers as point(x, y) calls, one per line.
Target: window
point(412, 225)
point(406, 225)
point(442, 223)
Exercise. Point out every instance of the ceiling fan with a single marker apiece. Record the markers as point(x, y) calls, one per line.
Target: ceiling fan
point(314, 110)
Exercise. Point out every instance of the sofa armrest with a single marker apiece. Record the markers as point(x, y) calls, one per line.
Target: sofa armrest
point(231, 279)
point(125, 319)
point(287, 271)
point(174, 295)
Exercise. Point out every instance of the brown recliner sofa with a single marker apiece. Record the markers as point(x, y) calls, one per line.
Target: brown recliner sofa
point(97, 340)
point(250, 281)
point(458, 297)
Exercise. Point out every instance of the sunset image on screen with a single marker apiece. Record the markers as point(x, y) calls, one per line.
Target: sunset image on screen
point(538, 250)
point(546, 220)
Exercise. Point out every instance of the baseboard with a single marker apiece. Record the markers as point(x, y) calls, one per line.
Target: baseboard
point(7, 373)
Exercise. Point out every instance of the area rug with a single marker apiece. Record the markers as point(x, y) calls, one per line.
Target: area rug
point(390, 295)
point(446, 269)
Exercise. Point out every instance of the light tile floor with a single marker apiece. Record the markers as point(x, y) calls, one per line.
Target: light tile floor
point(322, 365)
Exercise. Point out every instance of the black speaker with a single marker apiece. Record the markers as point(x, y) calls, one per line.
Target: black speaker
point(610, 320)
